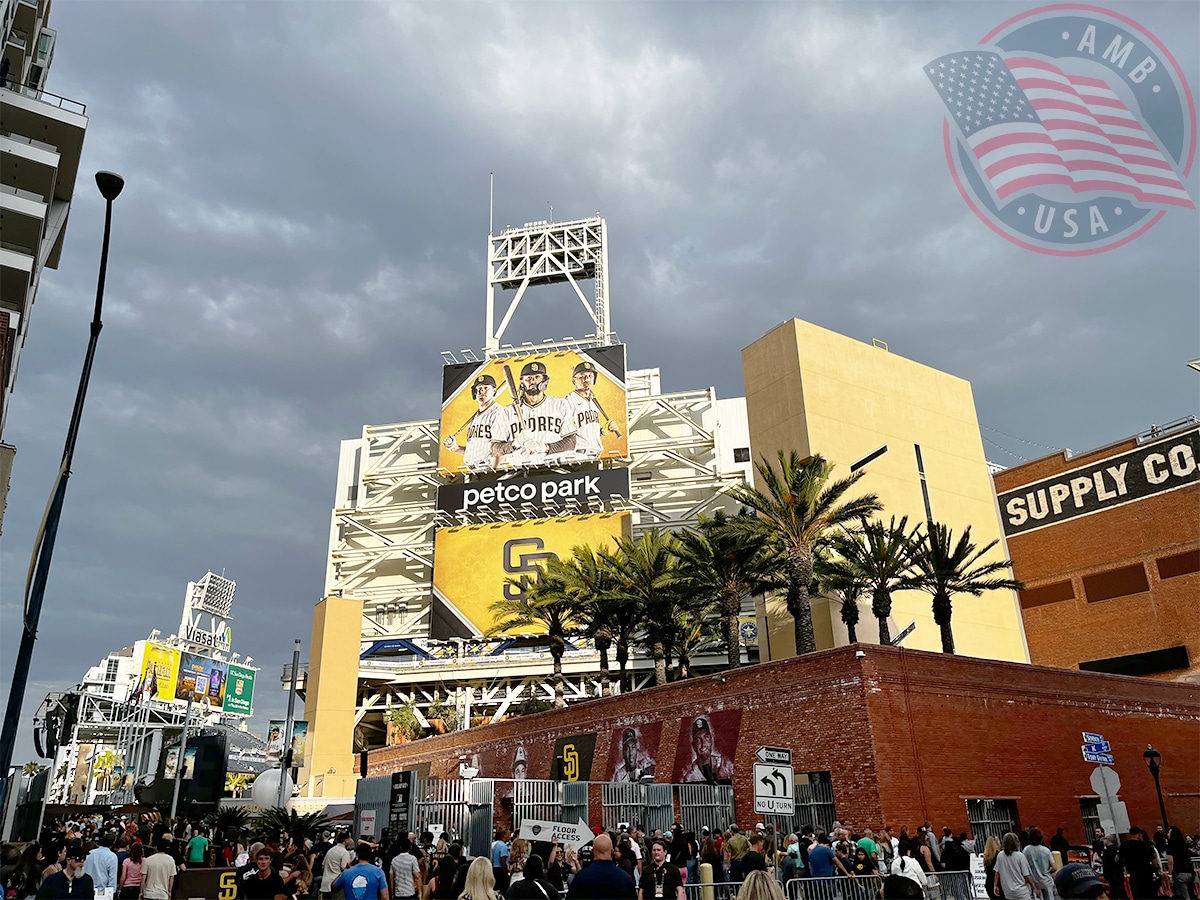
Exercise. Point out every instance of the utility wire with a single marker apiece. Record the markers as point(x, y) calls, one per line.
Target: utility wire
point(1015, 438)
point(1003, 449)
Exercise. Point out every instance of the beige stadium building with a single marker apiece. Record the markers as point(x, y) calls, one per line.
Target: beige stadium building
point(382, 637)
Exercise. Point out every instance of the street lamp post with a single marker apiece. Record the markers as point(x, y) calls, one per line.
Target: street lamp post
point(110, 185)
point(1152, 756)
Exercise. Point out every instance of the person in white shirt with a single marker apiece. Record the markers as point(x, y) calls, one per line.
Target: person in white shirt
point(101, 864)
point(337, 859)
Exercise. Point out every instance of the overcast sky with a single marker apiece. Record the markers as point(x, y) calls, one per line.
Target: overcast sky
point(304, 225)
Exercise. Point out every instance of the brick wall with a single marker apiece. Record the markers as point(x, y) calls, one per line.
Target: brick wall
point(907, 735)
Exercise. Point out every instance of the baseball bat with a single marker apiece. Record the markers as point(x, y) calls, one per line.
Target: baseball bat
point(596, 400)
point(512, 386)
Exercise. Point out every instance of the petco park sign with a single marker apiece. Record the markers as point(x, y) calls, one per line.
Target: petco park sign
point(1150, 469)
point(1069, 129)
point(544, 494)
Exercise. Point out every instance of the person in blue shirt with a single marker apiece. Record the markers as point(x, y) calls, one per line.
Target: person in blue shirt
point(101, 864)
point(364, 880)
point(822, 860)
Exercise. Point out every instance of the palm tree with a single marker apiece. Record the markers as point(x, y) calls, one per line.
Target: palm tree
point(648, 572)
point(799, 506)
point(831, 576)
point(722, 562)
point(947, 567)
point(271, 823)
point(546, 602)
point(698, 627)
point(230, 822)
point(589, 577)
point(881, 557)
point(103, 767)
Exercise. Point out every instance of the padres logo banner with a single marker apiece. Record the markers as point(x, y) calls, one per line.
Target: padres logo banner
point(553, 409)
point(472, 565)
point(573, 758)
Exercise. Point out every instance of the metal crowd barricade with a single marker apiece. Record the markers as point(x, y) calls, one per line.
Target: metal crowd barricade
point(718, 890)
point(950, 886)
point(861, 887)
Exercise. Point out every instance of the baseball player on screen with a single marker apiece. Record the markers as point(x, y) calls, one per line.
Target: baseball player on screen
point(542, 426)
point(490, 422)
point(586, 413)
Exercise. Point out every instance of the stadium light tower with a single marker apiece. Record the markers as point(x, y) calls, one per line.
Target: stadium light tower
point(548, 253)
point(110, 185)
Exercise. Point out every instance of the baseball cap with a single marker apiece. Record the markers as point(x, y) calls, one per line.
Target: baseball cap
point(481, 380)
point(533, 368)
point(76, 853)
point(701, 724)
point(1076, 880)
point(584, 366)
point(629, 737)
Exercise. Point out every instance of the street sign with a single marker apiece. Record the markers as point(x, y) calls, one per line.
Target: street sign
point(774, 789)
point(779, 755)
point(1104, 759)
point(1106, 783)
point(563, 832)
point(1114, 818)
point(1097, 747)
point(1089, 738)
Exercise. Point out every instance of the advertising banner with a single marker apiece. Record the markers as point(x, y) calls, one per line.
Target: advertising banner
point(471, 564)
point(573, 758)
point(706, 748)
point(534, 495)
point(239, 691)
point(201, 678)
point(551, 409)
point(1153, 468)
point(276, 741)
point(633, 753)
point(160, 669)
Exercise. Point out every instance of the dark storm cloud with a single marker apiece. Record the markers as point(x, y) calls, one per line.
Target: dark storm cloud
point(304, 229)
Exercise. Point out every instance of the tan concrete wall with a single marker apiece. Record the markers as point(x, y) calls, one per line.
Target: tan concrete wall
point(331, 698)
point(817, 391)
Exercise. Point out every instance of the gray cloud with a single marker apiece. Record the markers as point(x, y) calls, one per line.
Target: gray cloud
point(304, 225)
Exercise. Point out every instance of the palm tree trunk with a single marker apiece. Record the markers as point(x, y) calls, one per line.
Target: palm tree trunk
point(852, 632)
point(881, 607)
point(659, 651)
point(685, 665)
point(799, 578)
point(556, 651)
point(603, 642)
point(943, 612)
point(731, 607)
point(622, 663)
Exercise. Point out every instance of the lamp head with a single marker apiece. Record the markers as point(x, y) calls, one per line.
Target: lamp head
point(110, 184)
point(1151, 756)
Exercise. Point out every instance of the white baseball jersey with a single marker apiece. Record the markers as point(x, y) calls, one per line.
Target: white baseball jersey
point(544, 424)
point(491, 424)
point(585, 419)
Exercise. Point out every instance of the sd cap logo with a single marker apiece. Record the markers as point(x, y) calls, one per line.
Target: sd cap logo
point(1069, 131)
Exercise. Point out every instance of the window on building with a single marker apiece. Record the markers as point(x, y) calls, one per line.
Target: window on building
point(1089, 812)
point(1116, 583)
point(741, 454)
point(110, 672)
point(1179, 564)
point(992, 818)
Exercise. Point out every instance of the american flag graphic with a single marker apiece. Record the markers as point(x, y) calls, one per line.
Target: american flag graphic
point(1030, 124)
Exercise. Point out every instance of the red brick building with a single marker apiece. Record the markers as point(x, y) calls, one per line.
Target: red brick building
point(1108, 545)
point(902, 736)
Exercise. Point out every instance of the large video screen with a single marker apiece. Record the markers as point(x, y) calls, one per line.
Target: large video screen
point(550, 409)
point(201, 678)
point(472, 564)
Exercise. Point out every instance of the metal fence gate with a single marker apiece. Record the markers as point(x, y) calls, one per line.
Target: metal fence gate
point(705, 804)
point(548, 801)
point(462, 808)
point(374, 797)
point(814, 804)
point(648, 805)
point(992, 818)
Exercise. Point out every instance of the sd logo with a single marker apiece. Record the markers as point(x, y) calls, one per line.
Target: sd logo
point(523, 564)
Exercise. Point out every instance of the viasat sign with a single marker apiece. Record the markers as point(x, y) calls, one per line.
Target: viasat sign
point(1069, 130)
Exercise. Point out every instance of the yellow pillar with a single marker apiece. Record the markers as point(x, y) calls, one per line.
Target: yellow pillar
point(331, 698)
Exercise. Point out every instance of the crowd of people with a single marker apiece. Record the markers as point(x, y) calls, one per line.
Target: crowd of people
point(141, 857)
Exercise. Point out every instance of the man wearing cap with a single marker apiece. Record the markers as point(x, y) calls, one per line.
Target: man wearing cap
point(585, 412)
point(635, 762)
point(72, 881)
point(1077, 880)
point(490, 423)
point(541, 426)
point(707, 765)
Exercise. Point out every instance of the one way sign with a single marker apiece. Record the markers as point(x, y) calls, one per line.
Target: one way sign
point(774, 789)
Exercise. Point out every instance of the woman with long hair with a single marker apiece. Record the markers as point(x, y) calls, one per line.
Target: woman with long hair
point(26, 876)
point(533, 886)
point(991, 849)
point(129, 879)
point(559, 873)
point(1014, 879)
point(517, 857)
point(481, 883)
point(1179, 864)
point(760, 886)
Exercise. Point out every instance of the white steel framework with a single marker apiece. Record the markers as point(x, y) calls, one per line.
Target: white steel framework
point(686, 449)
point(547, 253)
